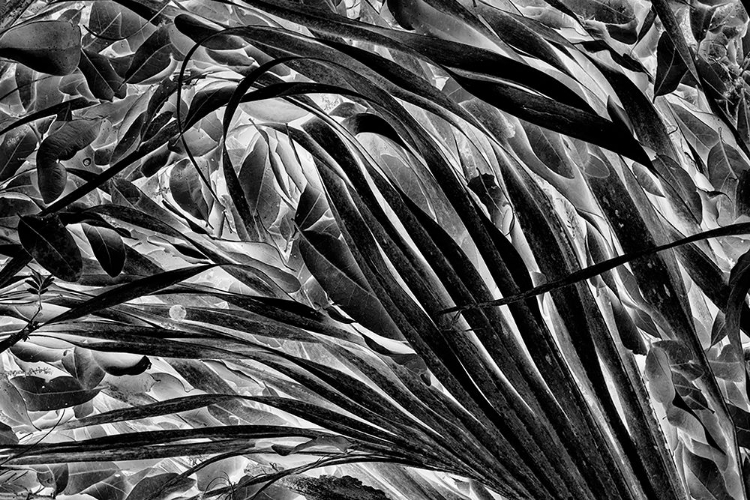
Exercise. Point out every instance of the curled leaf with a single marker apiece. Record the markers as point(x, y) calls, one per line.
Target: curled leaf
point(63, 144)
point(120, 363)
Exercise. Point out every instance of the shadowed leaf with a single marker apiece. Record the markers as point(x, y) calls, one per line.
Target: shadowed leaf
point(14, 149)
point(108, 248)
point(102, 79)
point(151, 58)
point(54, 394)
point(51, 245)
point(51, 47)
point(63, 144)
point(670, 67)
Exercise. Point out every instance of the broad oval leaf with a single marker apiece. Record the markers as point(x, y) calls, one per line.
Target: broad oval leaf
point(338, 487)
point(185, 186)
point(703, 132)
point(108, 248)
point(86, 474)
point(677, 351)
point(25, 80)
point(111, 21)
point(17, 145)
point(53, 247)
point(659, 376)
point(729, 364)
point(332, 264)
point(706, 477)
point(670, 67)
point(549, 147)
point(198, 30)
point(160, 487)
point(257, 181)
point(54, 394)
point(102, 79)
point(51, 47)
point(739, 284)
point(14, 411)
point(81, 364)
point(724, 163)
point(63, 144)
point(151, 58)
point(605, 11)
point(741, 419)
point(113, 487)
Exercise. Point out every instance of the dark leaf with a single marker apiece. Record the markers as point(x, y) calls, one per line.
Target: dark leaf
point(54, 394)
point(714, 78)
point(51, 47)
point(556, 116)
point(257, 180)
point(549, 147)
point(207, 101)
point(119, 364)
point(707, 475)
point(108, 248)
point(7, 436)
point(113, 487)
point(102, 79)
point(605, 11)
point(724, 163)
point(690, 394)
point(25, 79)
point(741, 420)
point(677, 351)
point(57, 109)
point(185, 186)
point(109, 22)
point(332, 264)
point(674, 31)
point(198, 30)
point(151, 58)
point(333, 488)
point(670, 67)
point(700, 19)
point(156, 487)
point(53, 247)
point(63, 144)
point(130, 291)
point(626, 327)
point(16, 146)
point(81, 364)
point(85, 475)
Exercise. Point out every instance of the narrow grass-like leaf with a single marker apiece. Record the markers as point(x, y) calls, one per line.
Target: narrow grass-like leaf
point(129, 291)
point(71, 105)
point(740, 228)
